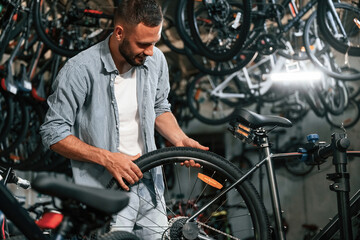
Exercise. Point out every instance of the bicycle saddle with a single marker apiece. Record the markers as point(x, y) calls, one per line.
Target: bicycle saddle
point(104, 200)
point(254, 120)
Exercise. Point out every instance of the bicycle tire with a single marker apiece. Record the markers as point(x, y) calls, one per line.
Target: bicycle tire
point(220, 68)
point(11, 28)
point(349, 117)
point(169, 33)
point(16, 134)
point(48, 15)
point(313, 101)
point(7, 113)
point(353, 87)
point(30, 149)
point(229, 38)
point(319, 52)
point(351, 29)
point(294, 165)
point(252, 223)
point(334, 96)
point(202, 63)
point(182, 27)
point(243, 162)
point(118, 235)
point(297, 168)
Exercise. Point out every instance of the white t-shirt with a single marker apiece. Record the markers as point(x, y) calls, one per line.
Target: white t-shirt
point(131, 142)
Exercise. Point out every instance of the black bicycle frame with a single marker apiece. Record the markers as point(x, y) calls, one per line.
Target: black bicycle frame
point(299, 15)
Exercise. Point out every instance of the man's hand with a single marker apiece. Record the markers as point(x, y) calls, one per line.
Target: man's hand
point(168, 127)
point(189, 142)
point(122, 168)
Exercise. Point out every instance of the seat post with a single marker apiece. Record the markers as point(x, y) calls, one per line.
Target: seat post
point(264, 144)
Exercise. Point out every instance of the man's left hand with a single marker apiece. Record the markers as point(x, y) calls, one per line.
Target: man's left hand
point(189, 142)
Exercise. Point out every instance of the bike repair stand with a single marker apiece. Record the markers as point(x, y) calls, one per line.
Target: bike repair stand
point(341, 185)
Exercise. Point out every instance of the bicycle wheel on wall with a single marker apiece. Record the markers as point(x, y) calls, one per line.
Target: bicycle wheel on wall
point(6, 113)
point(29, 150)
point(326, 58)
point(68, 27)
point(17, 133)
point(333, 94)
point(169, 33)
point(225, 30)
point(348, 118)
point(294, 165)
point(344, 35)
point(238, 214)
point(192, 51)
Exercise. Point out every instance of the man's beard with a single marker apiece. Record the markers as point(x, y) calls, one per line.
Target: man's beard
point(123, 49)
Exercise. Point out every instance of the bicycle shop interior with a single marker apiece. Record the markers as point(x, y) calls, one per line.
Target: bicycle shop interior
point(265, 78)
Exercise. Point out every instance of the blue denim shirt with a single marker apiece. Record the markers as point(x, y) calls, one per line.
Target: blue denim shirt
point(83, 104)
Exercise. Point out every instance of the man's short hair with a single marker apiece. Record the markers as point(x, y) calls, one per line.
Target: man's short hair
point(134, 12)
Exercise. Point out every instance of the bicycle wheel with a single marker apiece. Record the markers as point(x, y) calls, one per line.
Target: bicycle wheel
point(16, 134)
point(68, 27)
point(348, 118)
point(238, 214)
point(224, 30)
point(27, 153)
point(211, 99)
point(353, 87)
point(294, 165)
point(311, 97)
point(297, 168)
point(169, 33)
point(333, 94)
point(220, 68)
point(7, 113)
point(243, 162)
point(345, 35)
point(327, 59)
point(204, 64)
point(13, 21)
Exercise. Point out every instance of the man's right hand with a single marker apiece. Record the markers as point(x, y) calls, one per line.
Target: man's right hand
point(122, 167)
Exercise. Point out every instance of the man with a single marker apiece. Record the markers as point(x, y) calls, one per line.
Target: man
point(107, 102)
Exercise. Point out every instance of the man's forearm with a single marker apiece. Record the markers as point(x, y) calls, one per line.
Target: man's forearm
point(168, 127)
point(119, 165)
point(73, 148)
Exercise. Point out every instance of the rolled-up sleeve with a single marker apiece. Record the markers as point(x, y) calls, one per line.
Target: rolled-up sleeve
point(69, 94)
point(163, 88)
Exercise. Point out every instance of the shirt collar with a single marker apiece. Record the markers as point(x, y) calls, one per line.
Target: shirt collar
point(107, 59)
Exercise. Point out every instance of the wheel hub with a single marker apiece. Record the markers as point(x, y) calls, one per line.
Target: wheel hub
point(180, 229)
